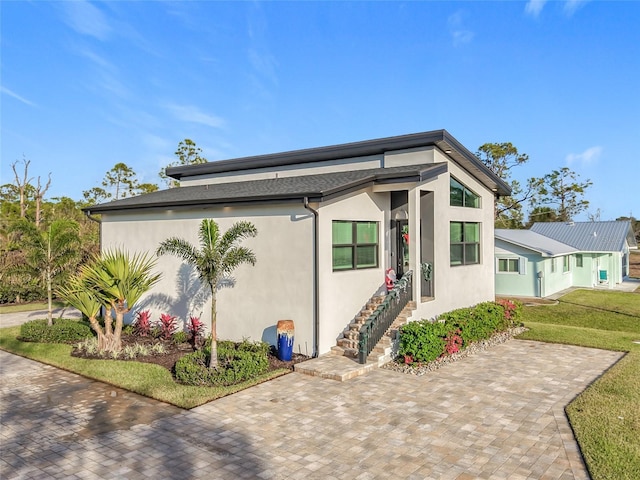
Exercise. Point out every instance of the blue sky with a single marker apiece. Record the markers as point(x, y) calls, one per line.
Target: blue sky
point(86, 85)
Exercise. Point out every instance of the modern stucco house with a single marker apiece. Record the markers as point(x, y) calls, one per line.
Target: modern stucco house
point(553, 256)
point(331, 221)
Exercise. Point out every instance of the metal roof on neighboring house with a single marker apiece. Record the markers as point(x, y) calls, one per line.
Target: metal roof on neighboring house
point(607, 236)
point(546, 246)
point(318, 187)
point(438, 138)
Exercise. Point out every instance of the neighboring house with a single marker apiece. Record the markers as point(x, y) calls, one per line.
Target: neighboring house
point(553, 256)
point(331, 221)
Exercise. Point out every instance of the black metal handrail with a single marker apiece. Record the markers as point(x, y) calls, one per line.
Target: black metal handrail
point(383, 316)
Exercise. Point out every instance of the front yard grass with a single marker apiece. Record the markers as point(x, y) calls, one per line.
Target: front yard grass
point(146, 379)
point(606, 416)
point(29, 307)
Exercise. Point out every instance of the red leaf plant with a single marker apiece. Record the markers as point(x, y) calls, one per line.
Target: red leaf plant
point(167, 326)
point(142, 323)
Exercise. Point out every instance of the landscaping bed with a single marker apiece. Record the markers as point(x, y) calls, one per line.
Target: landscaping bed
point(175, 351)
point(420, 369)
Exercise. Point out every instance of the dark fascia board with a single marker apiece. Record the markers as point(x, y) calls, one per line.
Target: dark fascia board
point(440, 138)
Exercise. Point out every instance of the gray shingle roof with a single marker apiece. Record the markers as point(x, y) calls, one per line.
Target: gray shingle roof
point(315, 187)
point(546, 246)
point(589, 236)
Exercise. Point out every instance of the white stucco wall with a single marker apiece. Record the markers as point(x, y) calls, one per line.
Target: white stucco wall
point(344, 293)
point(279, 286)
point(465, 285)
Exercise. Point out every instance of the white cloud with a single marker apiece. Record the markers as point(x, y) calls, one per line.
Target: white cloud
point(588, 157)
point(571, 6)
point(191, 113)
point(86, 19)
point(534, 7)
point(13, 94)
point(459, 33)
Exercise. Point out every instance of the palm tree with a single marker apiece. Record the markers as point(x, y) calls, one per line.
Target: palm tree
point(50, 254)
point(219, 255)
point(115, 280)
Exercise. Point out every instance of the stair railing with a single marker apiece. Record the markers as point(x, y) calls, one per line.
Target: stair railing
point(383, 316)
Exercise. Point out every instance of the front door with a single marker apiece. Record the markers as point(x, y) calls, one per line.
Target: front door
point(402, 247)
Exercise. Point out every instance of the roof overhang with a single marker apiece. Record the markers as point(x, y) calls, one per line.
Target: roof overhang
point(439, 138)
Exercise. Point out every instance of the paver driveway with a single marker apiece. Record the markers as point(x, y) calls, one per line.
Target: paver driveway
point(497, 414)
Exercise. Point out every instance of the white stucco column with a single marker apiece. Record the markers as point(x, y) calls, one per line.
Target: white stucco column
point(414, 240)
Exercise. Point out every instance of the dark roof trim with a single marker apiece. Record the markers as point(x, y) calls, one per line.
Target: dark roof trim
point(439, 138)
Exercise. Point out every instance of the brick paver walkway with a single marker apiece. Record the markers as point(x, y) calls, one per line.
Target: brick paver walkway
point(497, 414)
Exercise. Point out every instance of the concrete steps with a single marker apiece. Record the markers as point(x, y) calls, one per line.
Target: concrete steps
point(341, 363)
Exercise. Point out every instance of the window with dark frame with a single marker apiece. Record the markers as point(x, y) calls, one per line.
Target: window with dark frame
point(464, 243)
point(461, 196)
point(355, 245)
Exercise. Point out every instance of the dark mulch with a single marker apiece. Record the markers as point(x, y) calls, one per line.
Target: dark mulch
point(173, 353)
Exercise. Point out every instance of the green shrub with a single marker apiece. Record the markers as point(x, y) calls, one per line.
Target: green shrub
point(422, 341)
point(425, 341)
point(180, 337)
point(236, 363)
point(63, 330)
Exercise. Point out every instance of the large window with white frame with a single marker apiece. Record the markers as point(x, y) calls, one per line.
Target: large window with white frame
point(354, 244)
point(509, 265)
point(464, 243)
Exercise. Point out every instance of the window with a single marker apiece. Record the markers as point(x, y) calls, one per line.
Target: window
point(461, 196)
point(355, 245)
point(553, 265)
point(565, 263)
point(579, 261)
point(509, 265)
point(465, 243)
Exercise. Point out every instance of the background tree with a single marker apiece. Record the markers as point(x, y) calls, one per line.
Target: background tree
point(115, 280)
point(39, 197)
point(542, 214)
point(219, 255)
point(188, 153)
point(95, 195)
point(50, 254)
point(501, 158)
point(121, 180)
point(562, 190)
point(22, 184)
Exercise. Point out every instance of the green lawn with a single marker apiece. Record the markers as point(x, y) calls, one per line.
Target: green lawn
point(143, 378)
point(606, 416)
point(30, 307)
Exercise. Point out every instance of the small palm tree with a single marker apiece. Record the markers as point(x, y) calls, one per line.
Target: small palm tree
point(50, 254)
point(219, 255)
point(115, 280)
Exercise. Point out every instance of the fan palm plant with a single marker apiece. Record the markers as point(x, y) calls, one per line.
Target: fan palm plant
point(218, 256)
